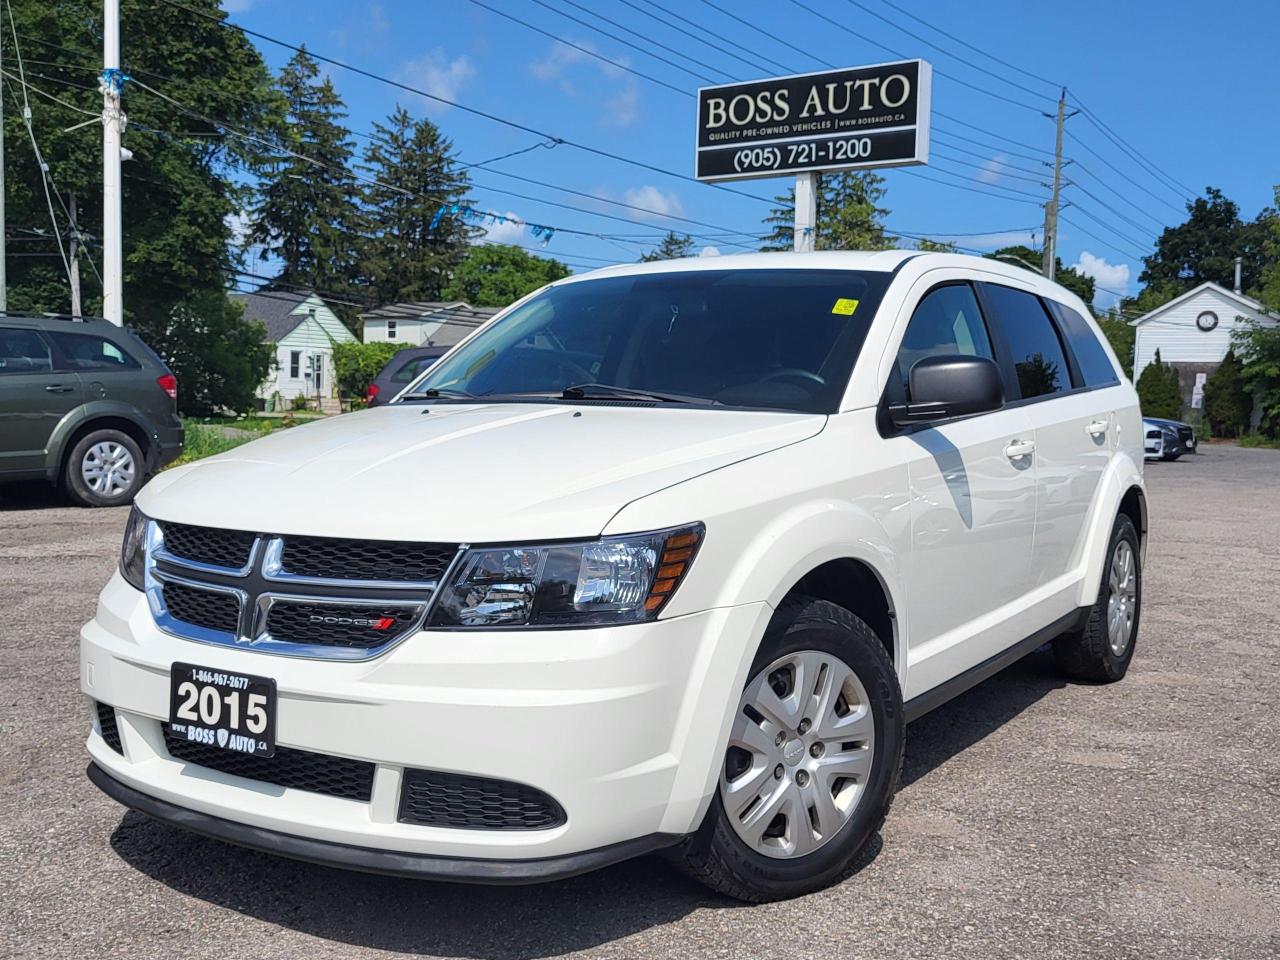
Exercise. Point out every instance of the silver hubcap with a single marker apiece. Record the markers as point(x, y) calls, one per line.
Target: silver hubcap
point(108, 468)
point(799, 754)
point(1122, 600)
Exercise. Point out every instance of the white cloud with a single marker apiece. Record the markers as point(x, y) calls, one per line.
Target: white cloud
point(505, 231)
point(438, 75)
point(1114, 276)
point(657, 203)
point(709, 252)
point(993, 170)
point(621, 109)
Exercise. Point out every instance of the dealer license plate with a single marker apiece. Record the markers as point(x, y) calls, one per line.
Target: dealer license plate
point(230, 711)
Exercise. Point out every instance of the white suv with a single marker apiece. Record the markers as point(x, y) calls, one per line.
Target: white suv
point(664, 557)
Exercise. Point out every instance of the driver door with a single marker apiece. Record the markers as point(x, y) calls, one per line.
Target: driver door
point(972, 503)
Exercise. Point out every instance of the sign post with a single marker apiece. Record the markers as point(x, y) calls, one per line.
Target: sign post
point(855, 118)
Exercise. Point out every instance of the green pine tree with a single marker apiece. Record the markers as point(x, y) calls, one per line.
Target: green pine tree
point(673, 247)
point(849, 214)
point(307, 215)
point(1158, 390)
point(1227, 403)
point(403, 257)
point(781, 223)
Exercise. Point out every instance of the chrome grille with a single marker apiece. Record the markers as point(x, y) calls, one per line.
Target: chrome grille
point(386, 561)
point(328, 598)
point(210, 609)
point(231, 549)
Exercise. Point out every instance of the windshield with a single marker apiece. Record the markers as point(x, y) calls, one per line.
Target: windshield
point(778, 339)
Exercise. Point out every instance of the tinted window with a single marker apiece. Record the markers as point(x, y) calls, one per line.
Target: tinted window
point(947, 322)
point(411, 369)
point(22, 351)
point(86, 352)
point(782, 339)
point(1095, 366)
point(1033, 342)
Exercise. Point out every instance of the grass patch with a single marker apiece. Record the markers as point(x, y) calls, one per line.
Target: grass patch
point(1258, 440)
point(208, 436)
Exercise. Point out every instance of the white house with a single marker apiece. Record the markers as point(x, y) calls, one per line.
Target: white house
point(429, 324)
point(1193, 332)
point(303, 330)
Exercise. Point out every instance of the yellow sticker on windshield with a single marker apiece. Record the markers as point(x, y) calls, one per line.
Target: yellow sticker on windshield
point(844, 307)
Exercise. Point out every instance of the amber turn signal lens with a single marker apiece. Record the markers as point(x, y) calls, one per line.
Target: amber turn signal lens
point(677, 553)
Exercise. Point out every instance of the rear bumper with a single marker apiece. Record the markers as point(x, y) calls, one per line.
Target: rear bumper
point(168, 446)
point(368, 860)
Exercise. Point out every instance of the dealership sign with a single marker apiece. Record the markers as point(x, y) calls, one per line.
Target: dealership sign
point(876, 116)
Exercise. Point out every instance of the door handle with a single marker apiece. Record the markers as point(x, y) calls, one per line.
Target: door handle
point(1097, 428)
point(1017, 449)
point(59, 388)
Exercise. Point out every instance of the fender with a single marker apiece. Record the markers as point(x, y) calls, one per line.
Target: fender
point(95, 410)
point(1122, 474)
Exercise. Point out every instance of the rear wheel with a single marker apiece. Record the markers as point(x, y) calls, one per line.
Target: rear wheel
point(105, 469)
point(1102, 650)
point(813, 759)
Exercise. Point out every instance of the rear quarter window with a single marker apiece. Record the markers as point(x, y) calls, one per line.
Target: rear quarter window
point(1091, 357)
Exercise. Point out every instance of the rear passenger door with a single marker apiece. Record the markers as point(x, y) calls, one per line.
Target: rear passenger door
point(1073, 427)
point(34, 397)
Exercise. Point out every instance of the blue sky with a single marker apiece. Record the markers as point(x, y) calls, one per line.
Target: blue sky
point(1189, 89)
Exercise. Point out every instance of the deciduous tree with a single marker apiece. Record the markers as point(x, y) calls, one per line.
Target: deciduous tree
point(495, 275)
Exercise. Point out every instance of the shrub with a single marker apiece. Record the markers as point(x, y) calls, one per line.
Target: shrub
point(1259, 348)
point(356, 364)
point(1226, 401)
point(1159, 391)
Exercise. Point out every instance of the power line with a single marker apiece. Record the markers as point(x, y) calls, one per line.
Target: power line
point(515, 125)
point(745, 53)
point(1174, 185)
point(1121, 173)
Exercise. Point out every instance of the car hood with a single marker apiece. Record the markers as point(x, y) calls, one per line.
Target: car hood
point(468, 473)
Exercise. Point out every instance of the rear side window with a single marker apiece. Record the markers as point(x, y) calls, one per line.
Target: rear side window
point(1095, 366)
point(1038, 358)
point(947, 322)
point(410, 370)
point(22, 351)
point(84, 351)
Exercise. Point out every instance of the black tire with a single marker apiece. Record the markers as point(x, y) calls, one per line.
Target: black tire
point(716, 856)
point(1087, 654)
point(73, 479)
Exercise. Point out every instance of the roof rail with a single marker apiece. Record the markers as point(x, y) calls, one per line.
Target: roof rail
point(34, 315)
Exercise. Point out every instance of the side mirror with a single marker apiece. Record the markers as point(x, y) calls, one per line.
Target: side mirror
point(949, 386)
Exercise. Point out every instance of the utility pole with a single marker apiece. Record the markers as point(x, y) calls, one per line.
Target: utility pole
point(806, 223)
point(112, 126)
point(75, 255)
point(1054, 205)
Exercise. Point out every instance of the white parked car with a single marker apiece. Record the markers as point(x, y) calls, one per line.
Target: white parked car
point(664, 557)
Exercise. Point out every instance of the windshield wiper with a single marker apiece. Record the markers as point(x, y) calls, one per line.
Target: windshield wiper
point(608, 391)
point(437, 394)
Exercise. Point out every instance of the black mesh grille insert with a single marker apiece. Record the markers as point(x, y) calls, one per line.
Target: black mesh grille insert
point(107, 724)
point(221, 548)
point(296, 769)
point(432, 799)
point(202, 608)
point(339, 625)
point(366, 559)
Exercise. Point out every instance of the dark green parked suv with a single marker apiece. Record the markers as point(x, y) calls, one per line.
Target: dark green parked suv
point(85, 404)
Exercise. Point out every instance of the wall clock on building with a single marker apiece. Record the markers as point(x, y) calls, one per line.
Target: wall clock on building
point(1207, 321)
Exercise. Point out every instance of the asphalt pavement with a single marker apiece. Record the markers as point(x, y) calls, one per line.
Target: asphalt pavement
point(1036, 818)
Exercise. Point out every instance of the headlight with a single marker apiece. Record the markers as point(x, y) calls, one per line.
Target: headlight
point(133, 551)
point(624, 579)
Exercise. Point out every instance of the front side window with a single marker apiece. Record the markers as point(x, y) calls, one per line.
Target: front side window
point(1095, 366)
point(774, 339)
point(1038, 358)
point(947, 322)
point(84, 351)
point(22, 351)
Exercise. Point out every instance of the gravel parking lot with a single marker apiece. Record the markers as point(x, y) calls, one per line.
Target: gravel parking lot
point(1035, 819)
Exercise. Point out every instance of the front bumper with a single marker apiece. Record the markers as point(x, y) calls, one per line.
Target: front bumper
point(622, 726)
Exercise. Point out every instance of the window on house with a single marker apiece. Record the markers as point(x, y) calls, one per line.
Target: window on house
point(295, 363)
point(391, 329)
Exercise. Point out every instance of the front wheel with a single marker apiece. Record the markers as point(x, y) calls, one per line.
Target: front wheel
point(812, 763)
